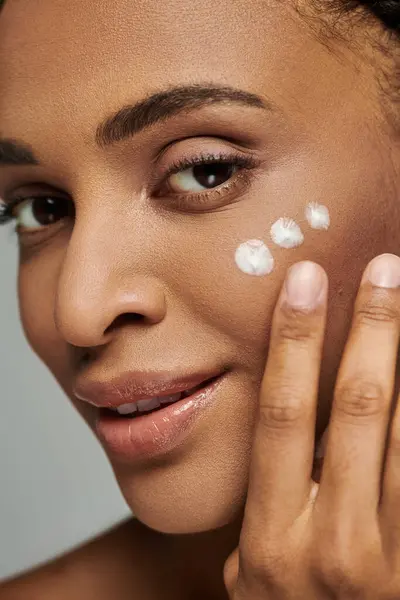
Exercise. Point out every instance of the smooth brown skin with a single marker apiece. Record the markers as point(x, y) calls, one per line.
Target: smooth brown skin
point(131, 252)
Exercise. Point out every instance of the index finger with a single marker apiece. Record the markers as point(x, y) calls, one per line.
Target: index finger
point(283, 448)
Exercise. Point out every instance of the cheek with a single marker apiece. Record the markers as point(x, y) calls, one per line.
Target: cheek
point(36, 295)
point(220, 297)
point(36, 305)
point(210, 265)
point(334, 209)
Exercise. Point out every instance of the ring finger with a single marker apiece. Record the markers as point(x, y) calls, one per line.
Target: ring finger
point(351, 476)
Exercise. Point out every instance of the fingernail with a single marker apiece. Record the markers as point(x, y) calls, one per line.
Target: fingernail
point(384, 271)
point(304, 285)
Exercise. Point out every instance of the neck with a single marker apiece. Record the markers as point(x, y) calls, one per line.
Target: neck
point(202, 557)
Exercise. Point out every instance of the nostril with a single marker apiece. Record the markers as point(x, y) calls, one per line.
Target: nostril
point(126, 318)
point(136, 317)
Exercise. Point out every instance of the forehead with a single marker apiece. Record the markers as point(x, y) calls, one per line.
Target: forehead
point(131, 26)
point(147, 40)
point(73, 63)
point(56, 52)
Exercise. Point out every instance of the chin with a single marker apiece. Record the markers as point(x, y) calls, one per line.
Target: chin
point(178, 499)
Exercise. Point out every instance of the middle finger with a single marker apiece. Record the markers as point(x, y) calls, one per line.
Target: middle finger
point(351, 474)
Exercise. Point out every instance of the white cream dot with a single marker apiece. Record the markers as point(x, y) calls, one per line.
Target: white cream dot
point(286, 233)
point(317, 215)
point(254, 258)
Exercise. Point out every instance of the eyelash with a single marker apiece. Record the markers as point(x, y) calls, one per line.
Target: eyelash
point(239, 160)
point(243, 163)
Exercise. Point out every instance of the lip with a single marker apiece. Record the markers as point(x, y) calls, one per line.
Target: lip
point(129, 440)
point(132, 386)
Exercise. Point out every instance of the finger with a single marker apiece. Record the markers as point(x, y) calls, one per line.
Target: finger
point(390, 497)
point(282, 456)
point(390, 494)
point(351, 476)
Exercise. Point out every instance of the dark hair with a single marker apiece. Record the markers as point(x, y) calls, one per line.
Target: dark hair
point(388, 11)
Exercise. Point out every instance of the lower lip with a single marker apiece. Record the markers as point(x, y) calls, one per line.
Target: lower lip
point(155, 433)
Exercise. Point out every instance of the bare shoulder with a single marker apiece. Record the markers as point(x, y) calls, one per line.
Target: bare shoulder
point(118, 564)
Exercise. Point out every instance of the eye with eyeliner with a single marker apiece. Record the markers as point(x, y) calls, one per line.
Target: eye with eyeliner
point(8, 208)
point(241, 167)
point(160, 188)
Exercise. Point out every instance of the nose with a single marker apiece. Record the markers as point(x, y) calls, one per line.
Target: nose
point(99, 289)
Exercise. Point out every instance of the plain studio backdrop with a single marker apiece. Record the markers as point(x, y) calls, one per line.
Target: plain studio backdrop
point(56, 487)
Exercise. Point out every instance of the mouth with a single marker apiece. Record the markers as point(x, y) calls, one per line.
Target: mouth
point(145, 406)
point(154, 426)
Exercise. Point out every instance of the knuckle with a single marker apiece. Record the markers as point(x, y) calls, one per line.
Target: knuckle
point(230, 573)
point(335, 571)
point(349, 569)
point(359, 397)
point(376, 311)
point(282, 407)
point(338, 578)
point(261, 564)
point(296, 326)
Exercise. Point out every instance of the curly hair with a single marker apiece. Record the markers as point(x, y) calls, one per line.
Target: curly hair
point(388, 11)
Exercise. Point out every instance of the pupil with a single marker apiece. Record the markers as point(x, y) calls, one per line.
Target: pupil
point(214, 174)
point(49, 210)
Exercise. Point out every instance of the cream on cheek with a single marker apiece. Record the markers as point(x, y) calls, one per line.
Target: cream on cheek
point(254, 257)
point(317, 216)
point(286, 233)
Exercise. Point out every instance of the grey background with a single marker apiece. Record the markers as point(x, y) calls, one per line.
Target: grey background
point(56, 487)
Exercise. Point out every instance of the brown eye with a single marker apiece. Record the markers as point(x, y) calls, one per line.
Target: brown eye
point(40, 211)
point(202, 177)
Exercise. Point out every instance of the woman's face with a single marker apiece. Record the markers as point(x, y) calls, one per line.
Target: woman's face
point(141, 275)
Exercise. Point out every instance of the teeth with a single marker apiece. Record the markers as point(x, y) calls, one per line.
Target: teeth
point(172, 398)
point(192, 391)
point(148, 404)
point(126, 409)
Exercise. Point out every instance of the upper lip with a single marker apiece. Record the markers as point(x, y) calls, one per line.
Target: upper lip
point(132, 386)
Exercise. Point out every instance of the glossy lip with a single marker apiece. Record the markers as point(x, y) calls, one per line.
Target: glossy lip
point(129, 440)
point(132, 386)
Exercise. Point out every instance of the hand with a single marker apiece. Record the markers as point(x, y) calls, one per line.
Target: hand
point(339, 539)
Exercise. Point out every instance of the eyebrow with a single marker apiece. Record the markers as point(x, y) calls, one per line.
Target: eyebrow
point(132, 119)
point(13, 152)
